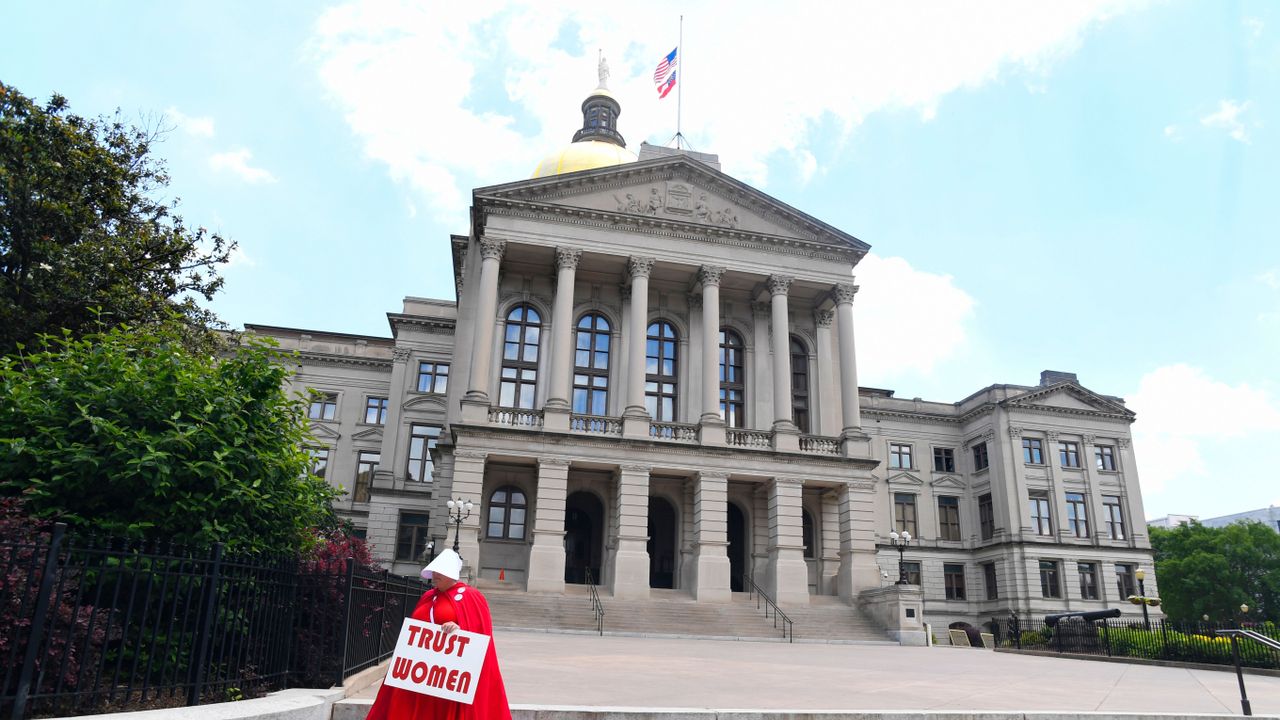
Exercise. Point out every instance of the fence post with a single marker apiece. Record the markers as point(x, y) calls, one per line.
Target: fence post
point(1106, 635)
point(1164, 640)
point(204, 639)
point(346, 620)
point(37, 622)
point(382, 612)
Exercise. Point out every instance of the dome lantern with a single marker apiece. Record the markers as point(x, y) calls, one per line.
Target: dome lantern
point(598, 144)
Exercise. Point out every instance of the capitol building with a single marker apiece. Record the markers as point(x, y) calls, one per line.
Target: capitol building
point(648, 381)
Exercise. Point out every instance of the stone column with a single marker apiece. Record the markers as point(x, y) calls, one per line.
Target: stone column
point(635, 422)
point(858, 568)
point(546, 557)
point(711, 538)
point(855, 441)
point(788, 573)
point(556, 411)
point(785, 435)
point(712, 432)
point(760, 370)
point(468, 484)
point(475, 404)
point(631, 554)
point(825, 422)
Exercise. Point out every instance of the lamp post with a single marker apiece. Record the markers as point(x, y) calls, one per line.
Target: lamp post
point(1142, 593)
point(901, 542)
point(456, 508)
point(1244, 612)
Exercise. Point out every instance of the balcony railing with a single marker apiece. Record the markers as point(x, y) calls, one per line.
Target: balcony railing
point(595, 425)
point(515, 418)
point(819, 445)
point(759, 439)
point(676, 432)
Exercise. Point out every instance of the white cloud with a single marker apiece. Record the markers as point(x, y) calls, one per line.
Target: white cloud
point(892, 296)
point(1171, 132)
point(237, 163)
point(1186, 418)
point(454, 95)
point(1270, 278)
point(1254, 25)
point(1228, 118)
point(196, 126)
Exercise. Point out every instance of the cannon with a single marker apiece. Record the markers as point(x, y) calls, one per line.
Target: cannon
point(1090, 616)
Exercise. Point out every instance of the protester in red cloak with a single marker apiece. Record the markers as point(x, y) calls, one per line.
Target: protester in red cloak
point(455, 606)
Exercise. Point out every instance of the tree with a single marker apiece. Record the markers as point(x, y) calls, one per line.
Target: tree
point(80, 228)
point(131, 433)
point(1212, 571)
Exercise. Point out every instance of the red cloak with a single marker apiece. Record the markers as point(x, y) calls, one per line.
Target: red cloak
point(472, 612)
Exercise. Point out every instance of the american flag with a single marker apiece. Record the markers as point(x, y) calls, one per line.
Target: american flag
point(664, 76)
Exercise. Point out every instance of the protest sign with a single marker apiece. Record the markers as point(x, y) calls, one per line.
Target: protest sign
point(428, 661)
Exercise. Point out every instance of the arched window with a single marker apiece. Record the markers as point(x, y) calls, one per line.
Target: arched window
point(661, 381)
point(732, 380)
point(806, 522)
point(507, 508)
point(799, 385)
point(591, 366)
point(520, 358)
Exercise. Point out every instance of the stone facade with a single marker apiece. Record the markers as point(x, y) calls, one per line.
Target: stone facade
point(651, 382)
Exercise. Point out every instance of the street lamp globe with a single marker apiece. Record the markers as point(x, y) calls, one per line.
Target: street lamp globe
point(468, 506)
point(1244, 608)
point(1140, 574)
point(450, 504)
point(906, 536)
point(893, 535)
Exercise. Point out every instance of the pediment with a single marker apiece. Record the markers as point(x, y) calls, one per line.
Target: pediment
point(323, 432)
point(367, 435)
point(1069, 397)
point(904, 478)
point(948, 482)
point(676, 191)
point(424, 402)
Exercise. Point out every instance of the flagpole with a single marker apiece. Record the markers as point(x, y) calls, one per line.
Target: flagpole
point(680, 85)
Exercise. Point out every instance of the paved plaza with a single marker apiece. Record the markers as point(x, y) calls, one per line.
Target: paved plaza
point(586, 670)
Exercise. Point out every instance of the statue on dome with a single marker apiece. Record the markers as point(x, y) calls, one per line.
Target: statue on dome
point(604, 72)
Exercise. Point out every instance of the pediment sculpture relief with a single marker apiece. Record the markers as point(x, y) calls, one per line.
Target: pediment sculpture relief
point(679, 200)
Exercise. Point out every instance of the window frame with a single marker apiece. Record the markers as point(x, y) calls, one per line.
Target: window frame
point(914, 572)
point(953, 581)
point(799, 384)
point(362, 486)
point(437, 380)
point(1113, 513)
point(417, 539)
point(426, 468)
point(981, 457)
point(377, 405)
point(1126, 580)
point(947, 524)
point(1032, 451)
point(518, 376)
point(898, 452)
point(1077, 514)
point(1105, 458)
point(591, 381)
point(1069, 454)
point(509, 506)
point(989, 581)
point(660, 387)
point(1041, 524)
point(987, 520)
point(324, 461)
point(1089, 589)
point(733, 380)
point(328, 403)
point(947, 456)
point(902, 501)
point(1050, 570)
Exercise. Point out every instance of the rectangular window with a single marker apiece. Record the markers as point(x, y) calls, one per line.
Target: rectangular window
point(1032, 451)
point(1049, 585)
point(319, 461)
point(323, 406)
point(1077, 515)
point(422, 438)
point(433, 377)
point(411, 536)
point(1088, 580)
point(375, 411)
point(980, 460)
point(989, 579)
point(1041, 522)
point(1126, 581)
point(366, 464)
point(953, 579)
point(1069, 454)
point(1114, 516)
point(944, 460)
point(987, 516)
point(899, 455)
point(1106, 457)
point(949, 518)
point(904, 512)
point(913, 572)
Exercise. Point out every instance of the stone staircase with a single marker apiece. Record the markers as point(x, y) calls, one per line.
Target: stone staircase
point(674, 613)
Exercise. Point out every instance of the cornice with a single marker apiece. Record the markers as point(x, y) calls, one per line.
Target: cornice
point(314, 357)
point(441, 324)
point(911, 416)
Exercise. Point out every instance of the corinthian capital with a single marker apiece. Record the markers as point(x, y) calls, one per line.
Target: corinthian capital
point(567, 258)
point(491, 249)
point(844, 292)
point(710, 275)
point(823, 318)
point(779, 284)
point(639, 267)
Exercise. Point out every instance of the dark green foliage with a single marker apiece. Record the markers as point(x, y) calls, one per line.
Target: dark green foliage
point(1213, 571)
point(128, 432)
point(80, 229)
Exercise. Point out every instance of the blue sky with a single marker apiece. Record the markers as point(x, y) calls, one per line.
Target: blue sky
point(1086, 186)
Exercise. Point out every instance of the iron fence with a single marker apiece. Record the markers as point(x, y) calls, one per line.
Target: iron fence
point(91, 625)
point(1124, 637)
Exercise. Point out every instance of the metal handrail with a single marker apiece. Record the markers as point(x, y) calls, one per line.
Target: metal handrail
point(597, 607)
point(788, 626)
point(1235, 636)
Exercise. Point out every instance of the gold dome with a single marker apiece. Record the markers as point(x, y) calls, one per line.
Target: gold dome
point(583, 155)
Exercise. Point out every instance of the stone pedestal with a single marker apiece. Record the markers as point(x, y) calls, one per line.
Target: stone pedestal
point(546, 557)
point(899, 609)
point(711, 432)
point(710, 531)
point(555, 418)
point(475, 411)
point(630, 577)
point(788, 574)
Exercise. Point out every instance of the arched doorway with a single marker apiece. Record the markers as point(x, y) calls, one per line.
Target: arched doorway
point(662, 543)
point(737, 533)
point(583, 533)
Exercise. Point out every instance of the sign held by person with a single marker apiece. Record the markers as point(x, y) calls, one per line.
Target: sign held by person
point(429, 662)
